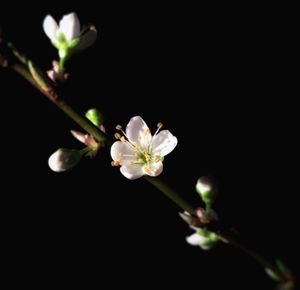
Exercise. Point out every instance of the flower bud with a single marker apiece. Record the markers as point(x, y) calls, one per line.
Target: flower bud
point(95, 117)
point(203, 238)
point(207, 190)
point(272, 275)
point(64, 159)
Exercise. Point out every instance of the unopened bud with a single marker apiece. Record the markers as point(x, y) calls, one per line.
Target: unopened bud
point(95, 117)
point(206, 189)
point(274, 276)
point(64, 159)
point(203, 238)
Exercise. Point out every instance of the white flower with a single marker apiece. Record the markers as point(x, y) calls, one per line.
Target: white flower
point(67, 34)
point(141, 153)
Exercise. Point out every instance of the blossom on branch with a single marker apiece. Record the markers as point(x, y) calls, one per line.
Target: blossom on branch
point(138, 152)
point(68, 37)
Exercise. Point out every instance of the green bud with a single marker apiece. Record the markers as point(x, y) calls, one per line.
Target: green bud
point(272, 275)
point(210, 237)
point(203, 238)
point(207, 190)
point(64, 159)
point(95, 117)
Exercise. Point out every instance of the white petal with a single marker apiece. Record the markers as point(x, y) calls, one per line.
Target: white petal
point(138, 132)
point(54, 163)
point(50, 27)
point(163, 143)
point(122, 152)
point(195, 240)
point(87, 39)
point(70, 26)
point(203, 185)
point(132, 171)
point(153, 169)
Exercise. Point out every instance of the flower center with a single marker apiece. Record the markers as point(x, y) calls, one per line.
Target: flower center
point(142, 153)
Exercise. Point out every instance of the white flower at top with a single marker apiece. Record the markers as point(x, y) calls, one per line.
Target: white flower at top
point(67, 35)
point(138, 152)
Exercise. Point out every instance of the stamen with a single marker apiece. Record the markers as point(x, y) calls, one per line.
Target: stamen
point(159, 125)
point(118, 136)
point(123, 139)
point(119, 127)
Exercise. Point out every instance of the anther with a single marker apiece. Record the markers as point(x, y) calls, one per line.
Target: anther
point(159, 125)
point(115, 163)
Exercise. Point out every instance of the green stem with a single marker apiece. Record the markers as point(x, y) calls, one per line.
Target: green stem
point(85, 150)
point(178, 200)
point(62, 65)
point(81, 121)
point(171, 194)
point(165, 189)
point(257, 257)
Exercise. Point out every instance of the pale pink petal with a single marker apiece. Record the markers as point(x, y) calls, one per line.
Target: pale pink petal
point(69, 25)
point(132, 171)
point(153, 169)
point(138, 132)
point(50, 27)
point(122, 153)
point(163, 143)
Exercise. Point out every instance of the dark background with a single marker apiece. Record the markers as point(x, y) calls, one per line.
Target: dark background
point(221, 79)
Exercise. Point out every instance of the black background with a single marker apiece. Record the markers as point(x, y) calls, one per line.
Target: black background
point(221, 79)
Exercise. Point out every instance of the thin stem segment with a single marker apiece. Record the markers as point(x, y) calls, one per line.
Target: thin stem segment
point(81, 121)
point(171, 194)
point(160, 185)
point(257, 257)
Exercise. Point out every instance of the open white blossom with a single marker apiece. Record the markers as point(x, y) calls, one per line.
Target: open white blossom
point(67, 35)
point(138, 152)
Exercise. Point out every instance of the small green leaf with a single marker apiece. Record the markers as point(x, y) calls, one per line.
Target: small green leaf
point(273, 275)
point(207, 189)
point(95, 116)
point(73, 43)
point(39, 77)
point(283, 268)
